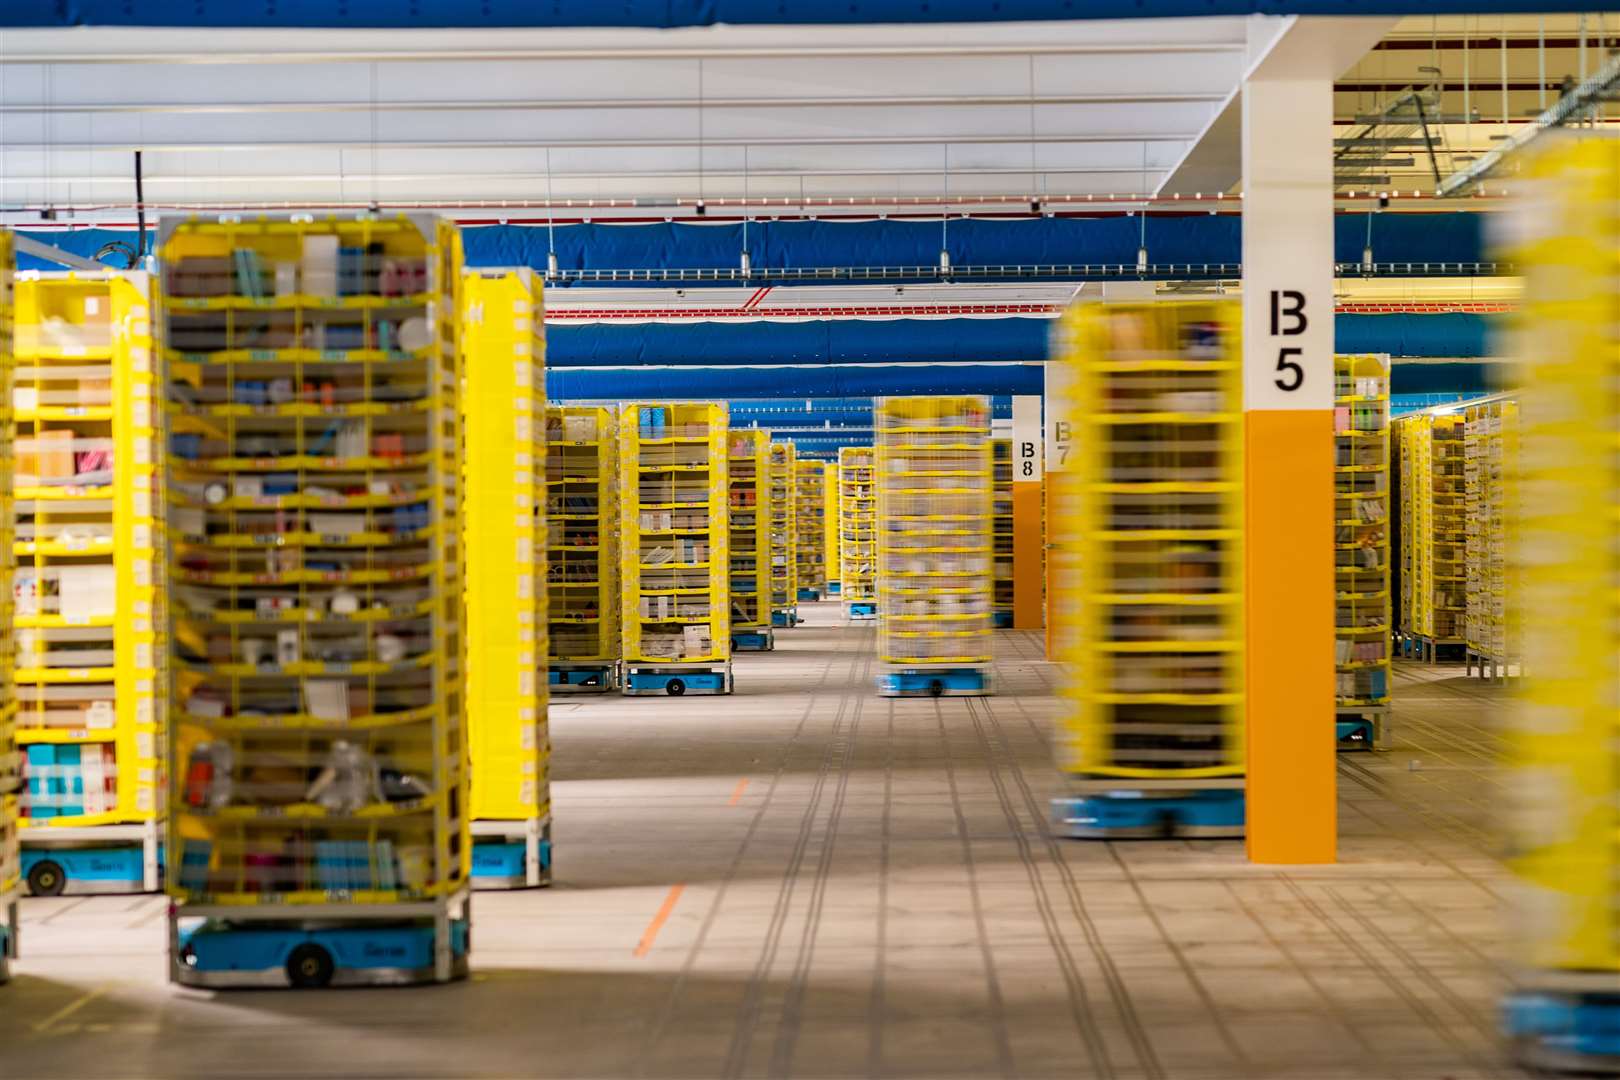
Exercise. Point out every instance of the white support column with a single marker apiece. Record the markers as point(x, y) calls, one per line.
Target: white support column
point(1287, 155)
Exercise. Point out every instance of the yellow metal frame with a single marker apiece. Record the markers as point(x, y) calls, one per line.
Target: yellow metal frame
point(934, 481)
point(857, 523)
point(96, 329)
point(504, 524)
point(1563, 815)
point(671, 451)
point(1149, 617)
point(1490, 457)
point(810, 525)
point(582, 481)
point(1361, 535)
point(1434, 522)
point(832, 525)
point(784, 531)
point(748, 478)
point(1003, 526)
point(10, 758)
point(367, 344)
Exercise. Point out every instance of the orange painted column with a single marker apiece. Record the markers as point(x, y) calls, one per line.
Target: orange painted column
point(1292, 800)
point(1029, 515)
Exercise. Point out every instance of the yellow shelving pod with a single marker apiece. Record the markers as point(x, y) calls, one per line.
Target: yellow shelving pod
point(857, 528)
point(1562, 815)
point(810, 529)
point(10, 758)
point(1490, 452)
point(675, 564)
point(1361, 494)
point(87, 592)
point(784, 536)
point(1003, 524)
point(830, 526)
point(934, 479)
point(582, 512)
point(748, 468)
point(504, 525)
point(1147, 537)
point(318, 809)
point(1434, 520)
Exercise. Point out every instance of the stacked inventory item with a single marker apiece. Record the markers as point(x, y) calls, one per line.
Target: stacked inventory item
point(503, 422)
point(857, 528)
point(1361, 549)
point(748, 473)
point(784, 537)
point(1490, 447)
point(1562, 816)
point(934, 480)
point(582, 572)
point(10, 762)
point(87, 582)
point(1433, 532)
point(1147, 532)
point(830, 527)
point(318, 804)
point(1003, 523)
point(676, 549)
point(810, 529)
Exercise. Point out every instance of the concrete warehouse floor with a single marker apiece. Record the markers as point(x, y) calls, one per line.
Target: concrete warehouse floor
point(805, 879)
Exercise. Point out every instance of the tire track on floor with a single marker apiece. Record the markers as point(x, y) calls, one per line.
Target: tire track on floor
point(839, 751)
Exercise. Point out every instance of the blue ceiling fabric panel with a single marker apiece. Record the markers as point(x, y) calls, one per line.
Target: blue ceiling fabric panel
point(1452, 236)
point(821, 341)
point(1440, 334)
point(1466, 377)
point(585, 384)
point(677, 13)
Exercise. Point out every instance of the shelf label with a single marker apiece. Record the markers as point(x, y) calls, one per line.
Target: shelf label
point(1028, 460)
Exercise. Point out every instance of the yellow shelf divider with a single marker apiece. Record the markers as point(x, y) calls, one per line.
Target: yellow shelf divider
point(830, 523)
point(784, 536)
point(89, 617)
point(934, 481)
point(1490, 459)
point(857, 531)
point(504, 522)
point(748, 479)
point(329, 672)
point(1146, 561)
point(1361, 549)
point(675, 548)
point(1003, 531)
point(10, 757)
point(582, 575)
point(810, 529)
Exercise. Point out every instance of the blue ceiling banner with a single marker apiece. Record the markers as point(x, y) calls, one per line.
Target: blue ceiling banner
point(832, 381)
point(502, 14)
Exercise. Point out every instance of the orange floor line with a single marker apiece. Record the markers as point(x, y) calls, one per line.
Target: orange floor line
point(737, 793)
point(658, 920)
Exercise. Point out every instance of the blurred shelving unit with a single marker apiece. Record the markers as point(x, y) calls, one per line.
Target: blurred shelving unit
point(934, 480)
point(318, 814)
point(88, 582)
point(857, 527)
point(1561, 807)
point(830, 524)
point(1363, 630)
point(1003, 519)
point(1147, 538)
point(748, 478)
point(505, 543)
point(10, 756)
point(675, 563)
point(784, 537)
point(810, 529)
point(1490, 449)
point(582, 552)
point(1433, 533)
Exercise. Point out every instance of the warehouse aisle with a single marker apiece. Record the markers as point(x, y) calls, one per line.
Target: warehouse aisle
point(807, 880)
